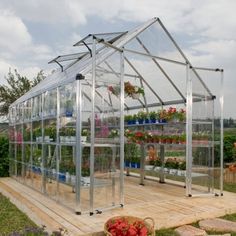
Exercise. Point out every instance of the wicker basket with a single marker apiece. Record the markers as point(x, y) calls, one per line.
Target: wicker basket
point(132, 219)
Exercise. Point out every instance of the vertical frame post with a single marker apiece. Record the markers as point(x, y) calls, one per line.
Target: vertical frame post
point(31, 142)
point(78, 145)
point(43, 171)
point(189, 158)
point(58, 146)
point(221, 132)
point(91, 192)
point(122, 101)
point(213, 148)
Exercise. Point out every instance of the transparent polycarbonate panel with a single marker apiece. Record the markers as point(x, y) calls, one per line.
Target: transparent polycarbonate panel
point(19, 163)
point(50, 103)
point(202, 138)
point(67, 176)
point(50, 173)
point(157, 84)
point(67, 100)
point(67, 122)
point(37, 107)
point(37, 166)
point(37, 131)
point(27, 132)
point(11, 133)
point(155, 41)
point(19, 113)
point(27, 165)
point(12, 115)
point(50, 128)
point(27, 110)
point(12, 159)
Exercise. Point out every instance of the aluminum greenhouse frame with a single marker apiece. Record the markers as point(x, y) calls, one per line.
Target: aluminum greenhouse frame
point(67, 134)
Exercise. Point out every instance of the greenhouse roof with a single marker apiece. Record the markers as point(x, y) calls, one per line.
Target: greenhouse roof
point(151, 42)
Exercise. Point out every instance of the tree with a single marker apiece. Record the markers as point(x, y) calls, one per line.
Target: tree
point(17, 86)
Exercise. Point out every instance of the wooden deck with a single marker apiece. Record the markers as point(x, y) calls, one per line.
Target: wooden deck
point(163, 202)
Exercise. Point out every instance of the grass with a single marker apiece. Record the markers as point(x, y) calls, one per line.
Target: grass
point(166, 232)
point(11, 218)
point(230, 187)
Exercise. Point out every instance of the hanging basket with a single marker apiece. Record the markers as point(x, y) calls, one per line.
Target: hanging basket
point(148, 222)
point(136, 95)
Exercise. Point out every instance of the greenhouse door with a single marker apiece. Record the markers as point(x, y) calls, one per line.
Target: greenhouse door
point(202, 171)
point(107, 129)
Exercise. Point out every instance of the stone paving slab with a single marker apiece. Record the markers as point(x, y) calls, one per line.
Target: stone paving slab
point(189, 230)
point(218, 225)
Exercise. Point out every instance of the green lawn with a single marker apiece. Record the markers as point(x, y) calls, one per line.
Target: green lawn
point(13, 222)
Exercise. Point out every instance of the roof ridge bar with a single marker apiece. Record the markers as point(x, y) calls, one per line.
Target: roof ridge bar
point(162, 70)
point(144, 80)
point(183, 55)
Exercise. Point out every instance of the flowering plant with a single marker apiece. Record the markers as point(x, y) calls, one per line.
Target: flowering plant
point(114, 90)
point(129, 89)
point(84, 132)
point(114, 133)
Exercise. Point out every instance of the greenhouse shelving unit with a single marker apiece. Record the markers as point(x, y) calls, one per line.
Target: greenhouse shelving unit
point(67, 134)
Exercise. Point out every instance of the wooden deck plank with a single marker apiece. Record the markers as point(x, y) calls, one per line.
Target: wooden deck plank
point(165, 203)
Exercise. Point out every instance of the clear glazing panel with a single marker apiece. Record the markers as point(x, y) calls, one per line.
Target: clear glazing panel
point(50, 173)
point(67, 176)
point(37, 166)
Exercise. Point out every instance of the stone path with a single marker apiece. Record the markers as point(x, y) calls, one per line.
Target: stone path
point(215, 225)
point(188, 230)
point(218, 225)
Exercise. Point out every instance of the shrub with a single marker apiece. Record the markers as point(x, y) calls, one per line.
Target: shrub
point(4, 157)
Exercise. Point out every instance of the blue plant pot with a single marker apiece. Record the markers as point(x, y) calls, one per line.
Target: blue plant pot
point(162, 120)
point(34, 169)
point(140, 121)
point(69, 113)
point(147, 121)
point(62, 177)
point(133, 122)
point(138, 165)
point(127, 163)
point(153, 120)
point(130, 122)
point(133, 165)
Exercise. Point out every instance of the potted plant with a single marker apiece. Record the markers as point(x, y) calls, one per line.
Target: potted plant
point(142, 116)
point(62, 134)
point(182, 115)
point(84, 135)
point(129, 119)
point(162, 114)
point(133, 91)
point(153, 116)
point(114, 133)
point(182, 139)
point(69, 108)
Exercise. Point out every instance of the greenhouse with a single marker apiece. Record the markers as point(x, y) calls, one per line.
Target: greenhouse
point(127, 104)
